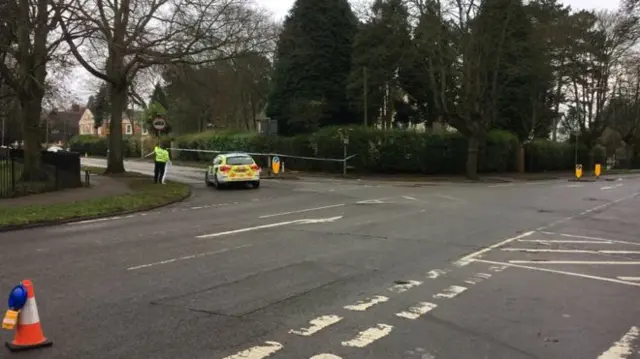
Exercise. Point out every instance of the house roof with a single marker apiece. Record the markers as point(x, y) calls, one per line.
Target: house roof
point(71, 116)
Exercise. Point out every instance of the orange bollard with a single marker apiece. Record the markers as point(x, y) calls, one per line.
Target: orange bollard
point(29, 333)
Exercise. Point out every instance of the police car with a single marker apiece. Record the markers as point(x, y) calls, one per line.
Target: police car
point(234, 167)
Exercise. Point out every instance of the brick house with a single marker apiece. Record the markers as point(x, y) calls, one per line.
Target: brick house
point(60, 126)
point(87, 125)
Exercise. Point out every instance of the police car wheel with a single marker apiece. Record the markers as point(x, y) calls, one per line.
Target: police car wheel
point(216, 183)
point(256, 184)
point(206, 180)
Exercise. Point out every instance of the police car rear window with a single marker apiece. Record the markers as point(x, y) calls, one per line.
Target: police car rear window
point(239, 160)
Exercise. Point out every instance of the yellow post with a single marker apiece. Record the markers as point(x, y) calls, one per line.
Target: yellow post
point(578, 171)
point(597, 170)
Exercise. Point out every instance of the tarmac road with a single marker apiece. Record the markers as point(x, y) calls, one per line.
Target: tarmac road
point(330, 269)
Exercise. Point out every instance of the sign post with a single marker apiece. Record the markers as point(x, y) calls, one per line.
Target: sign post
point(597, 170)
point(275, 165)
point(578, 172)
point(159, 124)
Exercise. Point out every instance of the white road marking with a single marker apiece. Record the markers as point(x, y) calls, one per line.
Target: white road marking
point(371, 201)
point(403, 287)
point(325, 356)
point(497, 268)
point(451, 198)
point(466, 259)
point(450, 292)
point(272, 225)
point(629, 278)
point(369, 336)
point(317, 325)
point(604, 279)
point(566, 219)
point(184, 258)
point(603, 240)
point(611, 187)
point(258, 352)
point(501, 185)
point(563, 241)
point(416, 311)
point(602, 251)
point(574, 185)
point(302, 210)
point(409, 197)
point(363, 305)
point(623, 347)
point(95, 220)
point(577, 262)
point(477, 278)
point(433, 274)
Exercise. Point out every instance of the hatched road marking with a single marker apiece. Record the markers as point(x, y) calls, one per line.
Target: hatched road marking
point(369, 336)
point(417, 311)
point(623, 348)
point(317, 325)
point(258, 352)
point(450, 292)
point(363, 305)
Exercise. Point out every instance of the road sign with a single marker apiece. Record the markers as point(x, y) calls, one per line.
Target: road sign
point(598, 170)
point(578, 171)
point(275, 165)
point(159, 123)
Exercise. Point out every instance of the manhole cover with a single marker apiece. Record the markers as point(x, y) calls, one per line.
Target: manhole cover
point(401, 282)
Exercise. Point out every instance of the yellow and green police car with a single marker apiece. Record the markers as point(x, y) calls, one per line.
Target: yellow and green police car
point(230, 168)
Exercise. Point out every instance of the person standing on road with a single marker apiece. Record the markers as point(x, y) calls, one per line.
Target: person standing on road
point(162, 157)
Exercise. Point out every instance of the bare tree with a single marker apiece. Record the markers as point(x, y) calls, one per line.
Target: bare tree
point(28, 43)
point(128, 36)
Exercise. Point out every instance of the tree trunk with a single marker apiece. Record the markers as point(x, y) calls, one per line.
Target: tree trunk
point(472, 157)
point(30, 118)
point(115, 159)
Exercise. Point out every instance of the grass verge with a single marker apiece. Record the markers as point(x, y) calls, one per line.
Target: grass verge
point(144, 195)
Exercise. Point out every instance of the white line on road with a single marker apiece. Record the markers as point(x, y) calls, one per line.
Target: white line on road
point(451, 198)
point(325, 356)
point(497, 268)
point(622, 348)
point(467, 259)
point(611, 187)
point(258, 352)
point(602, 251)
point(184, 258)
point(477, 278)
point(500, 185)
point(450, 292)
point(577, 262)
point(301, 211)
point(603, 240)
point(272, 225)
point(562, 241)
point(604, 279)
point(574, 185)
point(629, 278)
point(369, 336)
point(416, 311)
point(403, 287)
point(363, 305)
point(317, 325)
point(409, 197)
point(433, 274)
point(95, 220)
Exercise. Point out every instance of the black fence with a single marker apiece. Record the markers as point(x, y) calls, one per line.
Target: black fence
point(60, 170)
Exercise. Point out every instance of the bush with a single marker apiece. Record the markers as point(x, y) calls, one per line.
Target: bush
point(394, 151)
point(97, 146)
point(545, 155)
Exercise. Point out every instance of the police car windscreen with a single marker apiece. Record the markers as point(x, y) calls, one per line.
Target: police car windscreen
point(239, 160)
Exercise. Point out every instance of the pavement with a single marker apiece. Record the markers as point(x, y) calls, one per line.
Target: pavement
point(330, 269)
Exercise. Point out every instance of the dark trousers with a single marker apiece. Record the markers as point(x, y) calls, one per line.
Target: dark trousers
point(158, 171)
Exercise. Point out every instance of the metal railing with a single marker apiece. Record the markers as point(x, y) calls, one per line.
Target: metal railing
point(58, 171)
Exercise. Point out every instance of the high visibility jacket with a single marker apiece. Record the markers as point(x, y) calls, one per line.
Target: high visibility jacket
point(162, 155)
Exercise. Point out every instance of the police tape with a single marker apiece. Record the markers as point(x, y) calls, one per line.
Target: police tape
point(268, 154)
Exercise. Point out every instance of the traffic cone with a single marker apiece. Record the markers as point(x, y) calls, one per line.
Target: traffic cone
point(29, 332)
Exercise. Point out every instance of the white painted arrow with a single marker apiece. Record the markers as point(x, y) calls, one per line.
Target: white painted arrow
point(271, 225)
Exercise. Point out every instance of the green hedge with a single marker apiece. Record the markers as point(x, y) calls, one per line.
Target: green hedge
point(395, 151)
point(543, 155)
point(377, 151)
point(97, 146)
